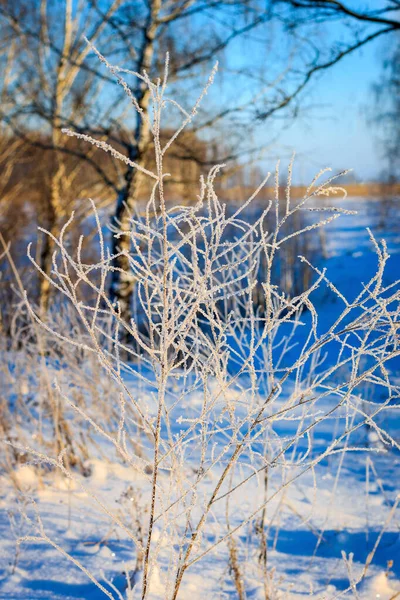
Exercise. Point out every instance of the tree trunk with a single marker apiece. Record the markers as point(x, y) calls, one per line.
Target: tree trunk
point(45, 265)
point(122, 280)
point(55, 210)
point(54, 214)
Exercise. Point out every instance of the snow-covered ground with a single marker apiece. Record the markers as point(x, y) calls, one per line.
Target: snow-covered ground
point(322, 530)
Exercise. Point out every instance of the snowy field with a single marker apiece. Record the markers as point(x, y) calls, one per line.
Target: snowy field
point(334, 525)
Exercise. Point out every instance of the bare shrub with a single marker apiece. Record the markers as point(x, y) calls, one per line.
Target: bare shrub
point(222, 405)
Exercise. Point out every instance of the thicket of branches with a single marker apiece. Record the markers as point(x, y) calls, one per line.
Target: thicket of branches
point(222, 404)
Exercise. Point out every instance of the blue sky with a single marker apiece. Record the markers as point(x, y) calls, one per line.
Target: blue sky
point(333, 127)
point(338, 133)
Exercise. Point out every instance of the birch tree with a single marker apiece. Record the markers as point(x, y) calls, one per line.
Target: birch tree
point(52, 85)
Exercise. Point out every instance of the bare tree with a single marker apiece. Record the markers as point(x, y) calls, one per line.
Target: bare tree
point(187, 30)
point(307, 19)
point(47, 91)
